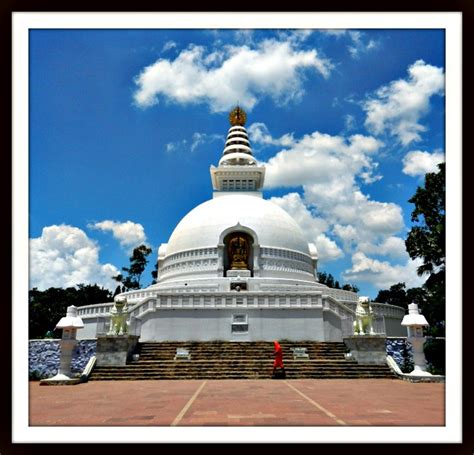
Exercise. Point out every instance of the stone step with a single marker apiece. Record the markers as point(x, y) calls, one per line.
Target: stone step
point(238, 360)
point(249, 376)
point(125, 370)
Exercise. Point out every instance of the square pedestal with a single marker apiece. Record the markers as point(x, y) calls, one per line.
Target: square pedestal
point(115, 349)
point(368, 349)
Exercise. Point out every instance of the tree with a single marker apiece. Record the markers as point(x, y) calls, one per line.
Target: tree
point(350, 287)
point(400, 296)
point(138, 262)
point(426, 240)
point(154, 273)
point(331, 282)
point(47, 307)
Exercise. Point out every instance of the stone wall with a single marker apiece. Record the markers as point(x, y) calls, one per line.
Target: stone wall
point(401, 351)
point(43, 357)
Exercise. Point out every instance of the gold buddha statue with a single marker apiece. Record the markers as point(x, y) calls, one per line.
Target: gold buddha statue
point(238, 253)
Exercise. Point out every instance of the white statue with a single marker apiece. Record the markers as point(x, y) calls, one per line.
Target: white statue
point(364, 317)
point(118, 317)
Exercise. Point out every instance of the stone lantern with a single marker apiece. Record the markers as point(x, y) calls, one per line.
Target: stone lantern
point(69, 324)
point(414, 322)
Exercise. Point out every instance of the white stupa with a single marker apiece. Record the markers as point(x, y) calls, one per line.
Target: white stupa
point(238, 267)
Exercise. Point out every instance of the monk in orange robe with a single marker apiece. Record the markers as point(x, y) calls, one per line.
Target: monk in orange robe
point(278, 362)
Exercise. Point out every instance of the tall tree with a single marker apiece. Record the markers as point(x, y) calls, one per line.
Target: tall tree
point(138, 262)
point(426, 240)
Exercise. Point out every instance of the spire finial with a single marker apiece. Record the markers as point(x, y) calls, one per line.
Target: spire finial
point(237, 116)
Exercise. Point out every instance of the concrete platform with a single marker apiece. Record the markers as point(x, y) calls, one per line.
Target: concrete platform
point(302, 402)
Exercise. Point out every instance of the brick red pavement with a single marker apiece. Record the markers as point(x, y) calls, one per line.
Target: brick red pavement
point(304, 402)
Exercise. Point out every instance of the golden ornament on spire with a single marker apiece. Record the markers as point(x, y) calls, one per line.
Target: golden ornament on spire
point(237, 116)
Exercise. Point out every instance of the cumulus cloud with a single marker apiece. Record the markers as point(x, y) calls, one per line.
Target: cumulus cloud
point(398, 107)
point(129, 234)
point(219, 78)
point(322, 158)
point(391, 246)
point(313, 227)
point(64, 256)
point(334, 212)
point(419, 163)
point(382, 274)
point(259, 134)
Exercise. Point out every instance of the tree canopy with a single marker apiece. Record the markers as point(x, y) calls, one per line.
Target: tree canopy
point(47, 307)
point(426, 240)
point(400, 296)
point(138, 262)
point(331, 282)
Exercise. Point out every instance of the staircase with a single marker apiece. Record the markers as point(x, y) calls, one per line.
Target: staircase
point(238, 360)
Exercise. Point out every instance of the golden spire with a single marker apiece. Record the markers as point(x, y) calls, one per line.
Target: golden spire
point(237, 116)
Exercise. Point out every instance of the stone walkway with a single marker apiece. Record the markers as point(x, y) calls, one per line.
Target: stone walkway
point(302, 402)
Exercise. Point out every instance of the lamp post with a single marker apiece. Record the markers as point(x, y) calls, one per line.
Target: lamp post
point(414, 322)
point(69, 324)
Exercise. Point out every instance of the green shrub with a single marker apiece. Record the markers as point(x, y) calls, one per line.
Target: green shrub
point(407, 365)
point(435, 353)
point(35, 375)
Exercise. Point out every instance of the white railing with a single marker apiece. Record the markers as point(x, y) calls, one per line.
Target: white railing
point(221, 300)
point(340, 294)
point(99, 309)
point(382, 309)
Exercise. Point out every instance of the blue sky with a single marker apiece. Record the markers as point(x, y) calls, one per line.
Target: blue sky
point(124, 125)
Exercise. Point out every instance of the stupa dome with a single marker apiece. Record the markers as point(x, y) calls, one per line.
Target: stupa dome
point(204, 225)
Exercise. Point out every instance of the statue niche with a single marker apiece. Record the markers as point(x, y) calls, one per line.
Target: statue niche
point(238, 251)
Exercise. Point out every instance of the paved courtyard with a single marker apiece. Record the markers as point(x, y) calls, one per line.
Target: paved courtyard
point(304, 402)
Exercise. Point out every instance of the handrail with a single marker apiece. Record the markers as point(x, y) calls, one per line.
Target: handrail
point(88, 369)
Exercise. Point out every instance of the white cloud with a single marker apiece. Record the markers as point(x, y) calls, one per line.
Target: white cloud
point(419, 163)
point(271, 68)
point(334, 212)
point(349, 122)
point(322, 158)
point(172, 147)
point(398, 107)
point(244, 36)
point(169, 45)
point(203, 138)
point(391, 246)
point(358, 44)
point(129, 234)
point(312, 226)
point(259, 134)
point(64, 256)
point(327, 166)
point(295, 36)
point(382, 274)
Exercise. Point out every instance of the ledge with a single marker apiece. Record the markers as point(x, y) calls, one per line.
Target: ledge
point(412, 377)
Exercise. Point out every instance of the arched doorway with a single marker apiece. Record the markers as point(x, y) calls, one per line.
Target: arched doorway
point(238, 252)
